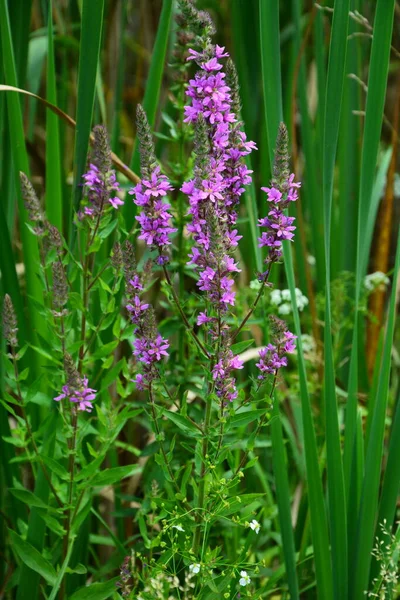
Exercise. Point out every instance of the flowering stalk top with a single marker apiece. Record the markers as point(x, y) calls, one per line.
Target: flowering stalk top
point(214, 195)
point(149, 193)
point(100, 182)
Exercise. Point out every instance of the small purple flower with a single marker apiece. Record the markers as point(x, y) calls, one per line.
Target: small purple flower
point(136, 309)
point(225, 385)
point(203, 318)
point(100, 182)
point(82, 396)
point(272, 357)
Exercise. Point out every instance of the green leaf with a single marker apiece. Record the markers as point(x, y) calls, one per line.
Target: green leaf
point(28, 498)
point(96, 591)
point(32, 558)
point(245, 417)
point(241, 346)
point(110, 476)
point(182, 422)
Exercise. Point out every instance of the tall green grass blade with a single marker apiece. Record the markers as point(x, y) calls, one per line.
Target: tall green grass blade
point(319, 524)
point(344, 234)
point(373, 461)
point(54, 200)
point(390, 486)
point(89, 51)
point(269, 35)
point(311, 197)
point(20, 18)
point(377, 193)
point(28, 584)
point(283, 497)
point(337, 501)
point(118, 91)
point(368, 198)
point(271, 70)
point(153, 87)
point(20, 159)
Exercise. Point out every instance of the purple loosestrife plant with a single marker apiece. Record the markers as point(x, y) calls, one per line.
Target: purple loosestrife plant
point(279, 227)
point(76, 389)
point(214, 195)
point(100, 182)
point(149, 194)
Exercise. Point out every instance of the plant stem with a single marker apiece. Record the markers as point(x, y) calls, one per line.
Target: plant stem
point(184, 318)
point(158, 432)
point(29, 430)
point(259, 427)
point(202, 484)
point(253, 307)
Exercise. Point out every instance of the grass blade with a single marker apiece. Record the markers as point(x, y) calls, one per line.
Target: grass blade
point(271, 70)
point(269, 38)
point(391, 484)
point(20, 159)
point(336, 493)
point(89, 50)
point(153, 87)
point(283, 497)
point(54, 206)
point(369, 499)
point(368, 201)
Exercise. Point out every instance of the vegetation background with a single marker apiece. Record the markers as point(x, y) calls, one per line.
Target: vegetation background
point(334, 79)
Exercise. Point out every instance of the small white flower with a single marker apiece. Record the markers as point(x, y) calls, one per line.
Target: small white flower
point(178, 527)
point(255, 284)
point(195, 568)
point(311, 260)
point(285, 309)
point(255, 526)
point(308, 343)
point(244, 578)
point(276, 297)
point(376, 280)
point(286, 295)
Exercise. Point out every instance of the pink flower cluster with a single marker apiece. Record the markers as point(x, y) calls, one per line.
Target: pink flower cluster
point(149, 347)
point(100, 188)
point(272, 357)
point(155, 220)
point(82, 396)
point(223, 180)
point(279, 226)
point(225, 384)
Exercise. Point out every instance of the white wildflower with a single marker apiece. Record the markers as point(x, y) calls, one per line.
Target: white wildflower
point(282, 299)
point(377, 280)
point(178, 527)
point(255, 526)
point(195, 568)
point(311, 260)
point(285, 309)
point(276, 297)
point(255, 284)
point(308, 343)
point(244, 578)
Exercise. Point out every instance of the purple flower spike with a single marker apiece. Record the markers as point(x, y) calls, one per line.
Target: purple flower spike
point(83, 395)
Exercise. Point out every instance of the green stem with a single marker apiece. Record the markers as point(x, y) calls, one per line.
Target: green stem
point(184, 318)
point(29, 430)
point(253, 307)
point(202, 484)
point(159, 439)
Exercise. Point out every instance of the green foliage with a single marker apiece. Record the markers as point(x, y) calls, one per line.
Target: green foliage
point(290, 490)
